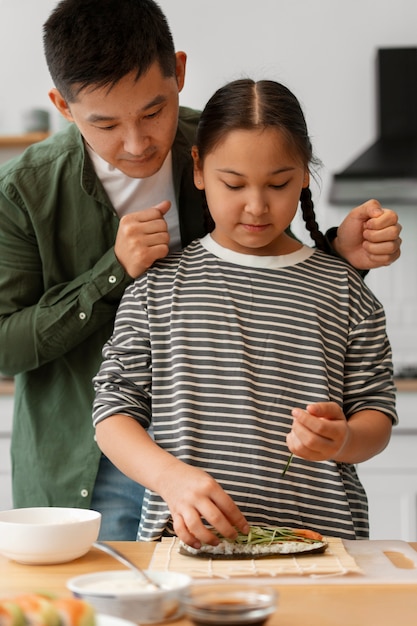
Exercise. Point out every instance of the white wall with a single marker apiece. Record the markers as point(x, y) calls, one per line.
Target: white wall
point(324, 50)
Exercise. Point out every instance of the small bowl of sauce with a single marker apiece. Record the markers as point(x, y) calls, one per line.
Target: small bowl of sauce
point(238, 603)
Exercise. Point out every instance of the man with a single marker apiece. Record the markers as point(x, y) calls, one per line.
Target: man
point(81, 215)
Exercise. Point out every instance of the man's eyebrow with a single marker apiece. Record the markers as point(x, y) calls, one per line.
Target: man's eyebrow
point(96, 117)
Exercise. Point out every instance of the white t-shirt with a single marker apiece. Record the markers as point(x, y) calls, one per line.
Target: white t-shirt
point(136, 194)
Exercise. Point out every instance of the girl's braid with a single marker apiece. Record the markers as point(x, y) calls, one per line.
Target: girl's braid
point(309, 217)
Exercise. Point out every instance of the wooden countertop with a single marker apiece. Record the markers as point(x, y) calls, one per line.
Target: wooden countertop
point(306, 605)
point(403, 384)
point(406, 384)
point(26, 139)
point(6, 387)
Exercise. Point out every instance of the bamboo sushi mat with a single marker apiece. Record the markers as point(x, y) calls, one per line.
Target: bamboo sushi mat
point(335, 561)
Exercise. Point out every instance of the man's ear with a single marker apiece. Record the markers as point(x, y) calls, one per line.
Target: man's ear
point(181, 62)
point(60, 103)
point(197, 170)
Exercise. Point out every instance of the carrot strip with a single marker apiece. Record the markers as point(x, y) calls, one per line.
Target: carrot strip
point(308, 534)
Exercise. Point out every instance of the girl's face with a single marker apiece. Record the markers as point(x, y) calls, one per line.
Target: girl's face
point(253, 183)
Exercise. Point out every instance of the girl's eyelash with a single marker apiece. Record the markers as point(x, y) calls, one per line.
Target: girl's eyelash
point(235, 187)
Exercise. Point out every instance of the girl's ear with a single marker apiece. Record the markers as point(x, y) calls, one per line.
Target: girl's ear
point(198, 172)
point(306, 181)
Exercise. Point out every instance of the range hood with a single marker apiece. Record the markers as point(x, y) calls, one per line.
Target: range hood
point(387, 170)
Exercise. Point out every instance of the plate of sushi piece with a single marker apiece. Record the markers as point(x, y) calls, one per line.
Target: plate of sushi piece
point(37, 609)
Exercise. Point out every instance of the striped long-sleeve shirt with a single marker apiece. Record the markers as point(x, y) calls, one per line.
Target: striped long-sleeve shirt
point(215, 348)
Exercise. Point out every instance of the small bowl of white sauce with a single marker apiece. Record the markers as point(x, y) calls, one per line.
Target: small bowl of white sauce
point(124, 594)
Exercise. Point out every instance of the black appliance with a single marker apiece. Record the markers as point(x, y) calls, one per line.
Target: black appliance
point(387, 170)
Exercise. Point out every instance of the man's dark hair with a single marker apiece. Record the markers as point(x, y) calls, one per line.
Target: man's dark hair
point(95, 43)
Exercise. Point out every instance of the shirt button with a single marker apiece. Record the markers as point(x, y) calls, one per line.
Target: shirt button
point(82, 315)
point(84, 493)
point(112, 279)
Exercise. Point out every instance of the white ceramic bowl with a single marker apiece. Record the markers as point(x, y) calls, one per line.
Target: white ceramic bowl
point(45, 535)
point(122, 594)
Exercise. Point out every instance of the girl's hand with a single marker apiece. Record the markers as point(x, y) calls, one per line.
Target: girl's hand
point(192, 496)
point(320, 432)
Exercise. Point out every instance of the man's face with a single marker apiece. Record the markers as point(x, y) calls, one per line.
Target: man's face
point(131, 125)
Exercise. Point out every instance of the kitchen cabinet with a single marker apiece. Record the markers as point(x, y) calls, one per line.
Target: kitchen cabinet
point(6, 414)
point(390, 478)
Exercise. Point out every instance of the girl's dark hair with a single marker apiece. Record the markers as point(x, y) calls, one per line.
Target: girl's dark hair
point(246, 105)
point(95, 43)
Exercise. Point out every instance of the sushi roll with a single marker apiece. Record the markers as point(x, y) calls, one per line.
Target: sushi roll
point(261, 542)
point(11, 614)
point(74, 612)
point(44, 610)
point(37, 610)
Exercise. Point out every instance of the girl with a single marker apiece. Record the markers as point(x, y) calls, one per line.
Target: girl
point(247, 346)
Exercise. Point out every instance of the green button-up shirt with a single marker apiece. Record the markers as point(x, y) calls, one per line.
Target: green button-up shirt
point(60, 286)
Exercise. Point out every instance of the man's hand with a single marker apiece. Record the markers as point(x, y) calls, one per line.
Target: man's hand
point(142, 238)
point(369, 236)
